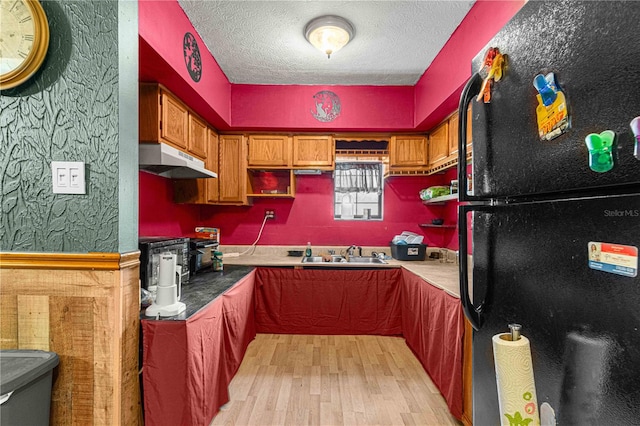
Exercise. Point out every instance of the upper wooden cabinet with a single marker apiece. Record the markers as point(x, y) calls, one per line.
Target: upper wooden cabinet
point(232, 171)
point(439, 145)
point(164, 118)
point(269, 151)
point(408, 151)
point(201, 191)
point(453, 135)
point(317, 152)
point(197, 136)
point(212, 190)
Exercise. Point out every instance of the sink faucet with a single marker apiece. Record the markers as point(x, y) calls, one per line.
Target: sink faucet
point(350, 250)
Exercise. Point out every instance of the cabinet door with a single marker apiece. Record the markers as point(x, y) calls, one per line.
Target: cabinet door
point(232, 170)
point(313, 152)
point(453, 136)
point(174, 123)
point(439, 145)
point(408, 151)
point(212, 185)
point(269, 151)
point(197, 137)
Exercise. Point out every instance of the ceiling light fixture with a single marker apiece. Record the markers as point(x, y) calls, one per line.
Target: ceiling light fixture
point(329, 33)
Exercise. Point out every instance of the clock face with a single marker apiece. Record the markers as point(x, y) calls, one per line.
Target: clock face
point(192, 56)
point(17, 35)
point(24, 40)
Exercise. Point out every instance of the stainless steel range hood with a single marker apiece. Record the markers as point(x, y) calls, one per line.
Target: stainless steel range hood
point(165, 160)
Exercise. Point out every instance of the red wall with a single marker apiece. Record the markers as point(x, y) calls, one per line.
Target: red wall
point(438, 91)
point(363, 108)
point(307, 217)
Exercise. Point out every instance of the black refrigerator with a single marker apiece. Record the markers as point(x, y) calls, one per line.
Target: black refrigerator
point(552, 224)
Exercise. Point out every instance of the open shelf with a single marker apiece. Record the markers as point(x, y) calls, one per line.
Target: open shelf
point(430, 225)
point(278, 183)
point(442, 200)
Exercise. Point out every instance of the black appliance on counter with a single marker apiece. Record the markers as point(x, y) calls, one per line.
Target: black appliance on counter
point(150, 250)
point(201, 254)
point(555, 243)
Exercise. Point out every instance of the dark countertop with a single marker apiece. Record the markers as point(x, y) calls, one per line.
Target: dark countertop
point(204, 288)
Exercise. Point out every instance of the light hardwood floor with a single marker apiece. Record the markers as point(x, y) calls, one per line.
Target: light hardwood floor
point(289, 379)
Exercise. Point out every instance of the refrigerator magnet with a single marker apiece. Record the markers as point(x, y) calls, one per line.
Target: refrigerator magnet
point(613, 258)
point(551, 112)
point(600, 148)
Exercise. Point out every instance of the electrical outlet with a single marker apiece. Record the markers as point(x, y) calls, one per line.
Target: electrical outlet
point(270, 214)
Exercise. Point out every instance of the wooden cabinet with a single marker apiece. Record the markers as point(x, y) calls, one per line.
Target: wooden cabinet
point(439, 145)
point(197, 142)
point(269, 151)
point(232, 171)
point(201, 191)
point(212, 188)
point(314, 152)
point(408, 152)
point(453, 136)
point(164, 118)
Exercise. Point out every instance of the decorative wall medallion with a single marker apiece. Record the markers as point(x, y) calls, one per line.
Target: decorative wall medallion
point(192, 56)
point(327, 106)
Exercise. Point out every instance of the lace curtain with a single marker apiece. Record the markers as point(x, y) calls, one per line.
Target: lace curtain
point(358, 177)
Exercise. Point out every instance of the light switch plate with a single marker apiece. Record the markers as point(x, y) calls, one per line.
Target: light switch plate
point(68, 177)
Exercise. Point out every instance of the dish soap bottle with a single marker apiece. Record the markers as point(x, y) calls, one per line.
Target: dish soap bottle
point(307, 252)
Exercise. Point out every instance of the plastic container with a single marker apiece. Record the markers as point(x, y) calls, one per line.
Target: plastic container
point(25, 386)
point(408, 251)
point(217, 261)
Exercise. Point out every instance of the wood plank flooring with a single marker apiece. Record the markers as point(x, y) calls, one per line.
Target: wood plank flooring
point(289, 379)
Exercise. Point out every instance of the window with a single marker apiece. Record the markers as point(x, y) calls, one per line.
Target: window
point(357, 188)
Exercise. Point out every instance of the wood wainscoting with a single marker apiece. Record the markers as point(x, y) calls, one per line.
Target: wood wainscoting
point(84, 307)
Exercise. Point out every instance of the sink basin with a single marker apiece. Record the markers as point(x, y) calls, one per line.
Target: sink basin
point(365, 259)
point(340, 259)
point(318, 259)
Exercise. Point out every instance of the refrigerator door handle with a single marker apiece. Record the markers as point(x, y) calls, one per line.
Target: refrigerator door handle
point(470, 91)
point(473, 313)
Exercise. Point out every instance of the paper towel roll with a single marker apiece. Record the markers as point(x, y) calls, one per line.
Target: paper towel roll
point(514, 377)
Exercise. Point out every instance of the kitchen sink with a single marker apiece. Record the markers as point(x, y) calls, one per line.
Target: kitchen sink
point(342, 259)
point(318, 259)
point(365, 259)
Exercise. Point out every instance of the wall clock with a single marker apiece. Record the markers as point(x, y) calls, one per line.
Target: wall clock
point(24, 40)
point(192, 56)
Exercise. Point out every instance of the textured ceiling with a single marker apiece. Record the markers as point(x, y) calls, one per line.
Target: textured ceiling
point(262, 42)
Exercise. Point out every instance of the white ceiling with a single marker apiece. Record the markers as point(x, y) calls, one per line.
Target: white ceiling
point(262, 42)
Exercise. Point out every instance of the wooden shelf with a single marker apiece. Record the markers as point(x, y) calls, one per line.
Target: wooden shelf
point(271, 183)
point(430, 225)
point(442, 200)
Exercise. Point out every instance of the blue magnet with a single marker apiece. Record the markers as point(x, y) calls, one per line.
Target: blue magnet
point(547, 87)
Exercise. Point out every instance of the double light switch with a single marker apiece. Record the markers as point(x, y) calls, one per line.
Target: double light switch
point(68, 177)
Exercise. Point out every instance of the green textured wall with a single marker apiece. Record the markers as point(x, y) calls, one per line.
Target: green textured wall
point(71, 110)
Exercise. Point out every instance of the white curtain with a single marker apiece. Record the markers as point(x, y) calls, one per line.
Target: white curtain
point(358, 177)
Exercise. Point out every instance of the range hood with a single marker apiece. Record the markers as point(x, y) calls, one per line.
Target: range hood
point(165, 160)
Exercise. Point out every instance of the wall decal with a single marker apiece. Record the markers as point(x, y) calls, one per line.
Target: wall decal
point(192, 56)
point(327, 106)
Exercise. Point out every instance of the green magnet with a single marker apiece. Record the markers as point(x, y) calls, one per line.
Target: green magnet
point(600, 150)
